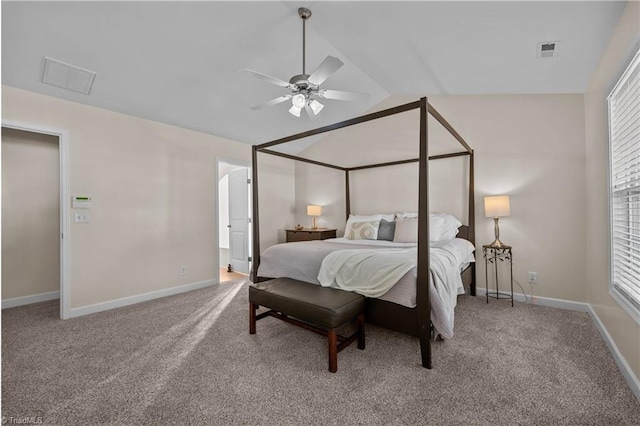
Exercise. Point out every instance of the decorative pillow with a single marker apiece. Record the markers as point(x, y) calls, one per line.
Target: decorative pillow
point(371, 218)
point(406, 230)
point(364, 230)
point(387, 230)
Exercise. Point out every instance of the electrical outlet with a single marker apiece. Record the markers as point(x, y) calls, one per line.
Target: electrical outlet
point(532, 277)
point(183, 270)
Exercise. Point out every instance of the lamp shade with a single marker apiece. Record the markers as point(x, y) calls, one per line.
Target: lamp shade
point(314, 210)
point(294, 110)
point(497, 206)
point(298, 101)
point(316, 107)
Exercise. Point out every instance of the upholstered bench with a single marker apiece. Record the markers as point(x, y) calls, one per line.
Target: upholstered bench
point(313, 307)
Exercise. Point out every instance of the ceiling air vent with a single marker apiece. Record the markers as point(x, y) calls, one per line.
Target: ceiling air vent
point(59, 74)
point(548, 49)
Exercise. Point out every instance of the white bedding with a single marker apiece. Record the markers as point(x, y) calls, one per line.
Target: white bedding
point(303, 261)
point(370, 272)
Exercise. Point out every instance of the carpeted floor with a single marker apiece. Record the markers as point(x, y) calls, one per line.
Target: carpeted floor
point(189, 359)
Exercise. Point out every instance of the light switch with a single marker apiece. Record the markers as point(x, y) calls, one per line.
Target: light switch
point(81, 217)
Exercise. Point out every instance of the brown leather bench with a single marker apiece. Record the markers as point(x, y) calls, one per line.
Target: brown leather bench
point(313, 307)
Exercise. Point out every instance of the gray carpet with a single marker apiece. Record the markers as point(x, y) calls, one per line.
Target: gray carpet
point(188, 359)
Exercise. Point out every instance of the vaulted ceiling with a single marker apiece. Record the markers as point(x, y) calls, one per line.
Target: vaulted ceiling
point(179, 62)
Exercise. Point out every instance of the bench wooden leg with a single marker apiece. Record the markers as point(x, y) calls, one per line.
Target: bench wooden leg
point(252, 317)
point(333, 350)
point(361, 331)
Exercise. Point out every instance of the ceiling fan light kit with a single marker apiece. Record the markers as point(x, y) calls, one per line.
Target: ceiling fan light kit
point(315, 106)
point(294, 110)
point(305, 88)
point(298, 101)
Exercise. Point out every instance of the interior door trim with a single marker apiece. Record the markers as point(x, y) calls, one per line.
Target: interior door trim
point(65, 200)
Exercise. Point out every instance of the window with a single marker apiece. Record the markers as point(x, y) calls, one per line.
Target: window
point(624, 155)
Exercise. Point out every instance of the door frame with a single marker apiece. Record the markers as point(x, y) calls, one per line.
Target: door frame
point(65, 234)
point(240, 163)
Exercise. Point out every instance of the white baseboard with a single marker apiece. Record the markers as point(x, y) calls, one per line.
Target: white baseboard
point(631, 378)
point(542, 301)
point(27, 300)
point(624, 367)
point(131, 300)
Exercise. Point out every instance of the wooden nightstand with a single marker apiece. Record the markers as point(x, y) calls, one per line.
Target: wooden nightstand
point(308, 234)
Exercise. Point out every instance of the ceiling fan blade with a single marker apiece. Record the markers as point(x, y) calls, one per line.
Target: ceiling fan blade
point(339, 95)
point(330, 65)
point(272, 102)
point(267, 78)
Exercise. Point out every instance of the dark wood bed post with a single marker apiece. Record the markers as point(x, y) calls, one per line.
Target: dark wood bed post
point(472, 221)
point(255, 219)
point(422, 290)
point(347, 193)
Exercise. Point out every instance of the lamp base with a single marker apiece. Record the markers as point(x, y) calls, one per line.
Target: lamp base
point(498, 244)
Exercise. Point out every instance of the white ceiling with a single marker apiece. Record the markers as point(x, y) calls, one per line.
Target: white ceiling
point(179, 62)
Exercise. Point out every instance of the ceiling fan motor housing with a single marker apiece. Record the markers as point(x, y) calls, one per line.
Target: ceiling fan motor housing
point(302, 84)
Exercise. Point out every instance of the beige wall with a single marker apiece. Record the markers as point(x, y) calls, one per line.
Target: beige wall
point(624, 330)
point(530, 147)
point(388, 189)
point(153, 188)
point(276, 194)
point(30, 214)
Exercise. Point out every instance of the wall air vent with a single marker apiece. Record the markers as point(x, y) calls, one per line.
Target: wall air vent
point(548, 49)
point(60, 74)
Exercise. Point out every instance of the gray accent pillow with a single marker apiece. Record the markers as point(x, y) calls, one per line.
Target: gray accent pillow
point(386, 230)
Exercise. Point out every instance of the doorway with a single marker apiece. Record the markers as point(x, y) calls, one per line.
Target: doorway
point(33, 216)
point(234, 232)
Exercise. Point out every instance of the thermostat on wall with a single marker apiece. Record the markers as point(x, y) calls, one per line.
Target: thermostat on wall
point(81, 202)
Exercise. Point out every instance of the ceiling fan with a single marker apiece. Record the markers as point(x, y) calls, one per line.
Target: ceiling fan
point(305, 88)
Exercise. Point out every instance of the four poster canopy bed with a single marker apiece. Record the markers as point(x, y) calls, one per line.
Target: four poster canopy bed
point(416, 317)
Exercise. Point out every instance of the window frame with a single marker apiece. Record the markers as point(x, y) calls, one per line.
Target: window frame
point(630, 304)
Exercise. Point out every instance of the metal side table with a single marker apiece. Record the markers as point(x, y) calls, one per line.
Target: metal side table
point(491, 256)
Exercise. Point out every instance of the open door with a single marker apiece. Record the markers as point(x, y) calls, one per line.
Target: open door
point(35, 216)
point(239, 220)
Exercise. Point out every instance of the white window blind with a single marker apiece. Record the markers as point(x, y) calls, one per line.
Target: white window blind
point(624, 139)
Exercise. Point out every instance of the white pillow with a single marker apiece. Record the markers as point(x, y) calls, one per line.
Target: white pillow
point(442, 226)
point(404, 215)
point(371, 218)
point(446, 226)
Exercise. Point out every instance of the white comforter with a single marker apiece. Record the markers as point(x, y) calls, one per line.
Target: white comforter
point(373, 272)
point(370, 272)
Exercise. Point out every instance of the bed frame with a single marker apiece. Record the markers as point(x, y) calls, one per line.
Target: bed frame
point(415, 321)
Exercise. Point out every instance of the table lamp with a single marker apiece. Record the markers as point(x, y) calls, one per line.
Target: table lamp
point(496, 207)
point(314, 211)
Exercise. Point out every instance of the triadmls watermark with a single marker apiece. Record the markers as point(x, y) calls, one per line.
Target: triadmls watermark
point(26, 420)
